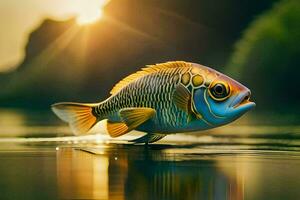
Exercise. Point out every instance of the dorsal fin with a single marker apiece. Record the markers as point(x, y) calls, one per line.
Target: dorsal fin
point(147, 70)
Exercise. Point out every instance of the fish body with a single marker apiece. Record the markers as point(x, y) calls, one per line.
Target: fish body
point(160, 99)
point(155, 90)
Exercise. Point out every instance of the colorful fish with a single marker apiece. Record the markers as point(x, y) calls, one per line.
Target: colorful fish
point(161, 99)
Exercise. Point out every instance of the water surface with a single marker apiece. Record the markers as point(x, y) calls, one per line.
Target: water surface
point(40, 159)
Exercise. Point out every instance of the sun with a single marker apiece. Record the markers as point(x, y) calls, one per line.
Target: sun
point(88, 18)
point(89, 11)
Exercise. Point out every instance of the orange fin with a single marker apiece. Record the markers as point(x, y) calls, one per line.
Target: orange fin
point(147, 70)
point(132, 118)
point(116, 129)
point(79, 116)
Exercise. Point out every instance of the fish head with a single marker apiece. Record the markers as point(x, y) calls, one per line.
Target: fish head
point(222, 99)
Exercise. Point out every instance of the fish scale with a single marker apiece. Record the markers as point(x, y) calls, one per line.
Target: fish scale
point(156, 95)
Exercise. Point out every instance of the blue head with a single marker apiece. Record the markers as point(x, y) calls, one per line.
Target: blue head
point(221, 99)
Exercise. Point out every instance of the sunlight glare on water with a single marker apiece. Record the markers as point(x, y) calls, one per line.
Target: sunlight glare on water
point(238, 161)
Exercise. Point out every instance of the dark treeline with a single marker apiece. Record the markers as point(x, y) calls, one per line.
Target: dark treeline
point(68, 62)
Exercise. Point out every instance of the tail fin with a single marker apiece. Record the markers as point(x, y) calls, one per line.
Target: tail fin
point(79, 116)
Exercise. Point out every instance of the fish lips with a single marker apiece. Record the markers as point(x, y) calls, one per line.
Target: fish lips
point(242, 102)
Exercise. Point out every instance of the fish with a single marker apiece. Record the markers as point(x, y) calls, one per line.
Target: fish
point(161, 99)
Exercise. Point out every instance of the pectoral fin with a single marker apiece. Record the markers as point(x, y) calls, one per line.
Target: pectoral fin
point(182, 98)
point(131, 118)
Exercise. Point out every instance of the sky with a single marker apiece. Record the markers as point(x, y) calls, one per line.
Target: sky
point(19, 18)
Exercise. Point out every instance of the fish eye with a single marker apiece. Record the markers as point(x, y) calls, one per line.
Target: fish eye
point(219, 91)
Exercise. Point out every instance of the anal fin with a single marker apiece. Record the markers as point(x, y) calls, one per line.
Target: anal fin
point(116, 129)
point(131, 118)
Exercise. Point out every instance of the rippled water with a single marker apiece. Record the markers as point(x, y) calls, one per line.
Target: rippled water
point(40, 159)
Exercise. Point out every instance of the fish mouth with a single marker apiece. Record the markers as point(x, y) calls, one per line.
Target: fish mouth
point(243, 101)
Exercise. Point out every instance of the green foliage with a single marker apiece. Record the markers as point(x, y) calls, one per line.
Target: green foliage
point(267, 57)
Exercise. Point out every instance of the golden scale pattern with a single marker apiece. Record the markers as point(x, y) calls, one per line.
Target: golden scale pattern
point(153, 87)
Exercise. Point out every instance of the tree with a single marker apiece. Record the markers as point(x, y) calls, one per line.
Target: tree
point(267, 57)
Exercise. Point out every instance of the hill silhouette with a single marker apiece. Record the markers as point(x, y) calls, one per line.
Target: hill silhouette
point(68, 62)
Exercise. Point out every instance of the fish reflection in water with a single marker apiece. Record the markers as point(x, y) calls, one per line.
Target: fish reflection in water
point(234, 162)
point(141, 174)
